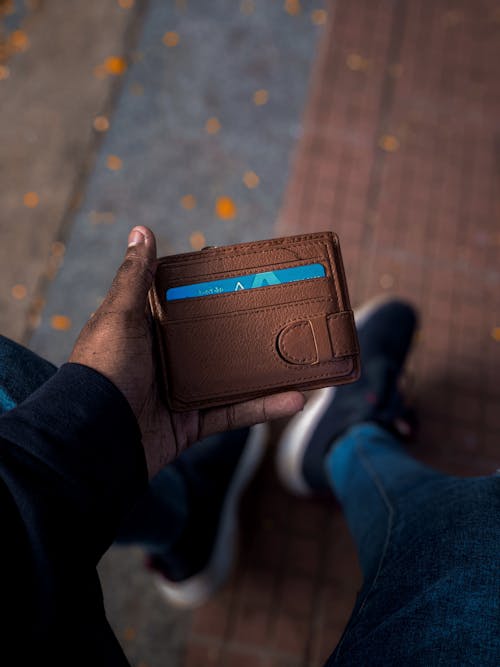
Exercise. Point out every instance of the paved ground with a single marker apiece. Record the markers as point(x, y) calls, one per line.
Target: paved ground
point(397, 155)
point(211, 119)
point(179, 115)
point(400, 157)
point(50, 95)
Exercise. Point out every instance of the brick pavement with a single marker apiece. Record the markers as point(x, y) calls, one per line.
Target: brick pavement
point(399, 156)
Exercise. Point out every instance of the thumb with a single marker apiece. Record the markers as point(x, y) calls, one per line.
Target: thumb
point(135, 276)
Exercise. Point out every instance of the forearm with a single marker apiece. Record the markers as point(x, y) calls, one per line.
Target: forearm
point(72, 459)
point(71, 465)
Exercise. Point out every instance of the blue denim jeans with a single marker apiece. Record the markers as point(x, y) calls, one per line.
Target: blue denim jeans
point(429, 548)
point(428, 543)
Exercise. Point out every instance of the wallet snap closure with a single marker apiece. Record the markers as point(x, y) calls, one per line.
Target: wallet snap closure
point(318, 339)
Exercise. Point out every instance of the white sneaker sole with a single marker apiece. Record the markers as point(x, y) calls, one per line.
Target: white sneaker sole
point(298, 432)
point(196, 590)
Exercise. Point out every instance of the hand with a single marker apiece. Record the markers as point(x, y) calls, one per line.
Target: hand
point(117, 342)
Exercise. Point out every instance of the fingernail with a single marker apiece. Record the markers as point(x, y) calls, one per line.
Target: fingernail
point(135, 237)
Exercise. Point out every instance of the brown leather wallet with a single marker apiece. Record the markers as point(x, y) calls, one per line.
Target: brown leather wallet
point(222, 348)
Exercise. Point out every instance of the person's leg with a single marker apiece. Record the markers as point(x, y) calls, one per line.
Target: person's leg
point(21, 373)
point(428, 544)
point(188, 519)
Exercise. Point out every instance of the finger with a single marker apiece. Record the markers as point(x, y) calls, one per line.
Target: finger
point(248, 413)
point(135, 275)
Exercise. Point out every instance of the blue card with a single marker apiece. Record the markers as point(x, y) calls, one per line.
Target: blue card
point(250, 281)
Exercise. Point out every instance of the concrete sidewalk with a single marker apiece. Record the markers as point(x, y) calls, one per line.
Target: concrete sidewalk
point(181, 116)
point(51, 91)
point(198, 146)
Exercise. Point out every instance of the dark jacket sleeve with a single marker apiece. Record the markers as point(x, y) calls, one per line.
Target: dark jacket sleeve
point(71, 466)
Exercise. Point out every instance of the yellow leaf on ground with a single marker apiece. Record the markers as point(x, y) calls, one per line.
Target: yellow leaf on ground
point(171, 38)
point(251, 180)
point(212, 126)
point(197, 240)
point(60, 322)
point(101, 124)
point(260, 97)
point(19, 292)
point(115, 65)
point(389, 143)
point(114, 162)
point(225, 208)
point(31, 199)
point(188, 202)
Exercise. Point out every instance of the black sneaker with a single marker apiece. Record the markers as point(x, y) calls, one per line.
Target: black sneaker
point(216, 470)
point(385, 329)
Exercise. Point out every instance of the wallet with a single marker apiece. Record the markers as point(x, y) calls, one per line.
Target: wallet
point(236, 322)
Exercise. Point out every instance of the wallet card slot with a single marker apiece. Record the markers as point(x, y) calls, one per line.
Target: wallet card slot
point(232, 353)
point(218, 261)
point(179, 280)
point(215, 305)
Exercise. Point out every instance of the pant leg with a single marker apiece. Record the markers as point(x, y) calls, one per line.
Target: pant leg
point(429, 547)
point(21, 373)
point(161, 513)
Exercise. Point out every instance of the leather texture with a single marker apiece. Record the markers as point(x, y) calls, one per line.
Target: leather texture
point(225, 348)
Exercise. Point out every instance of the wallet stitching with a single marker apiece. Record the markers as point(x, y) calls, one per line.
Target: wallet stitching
point(334, 275)
point(325, 257)
point(312, 240)
point(300, 360)
point(343, 315)
point(267, 288)
point(269, 384)
point(326, 244)
point(338, 352)
point(232, 272)
point(326, 241)
point(195, 397)
point(201, 259)
point(342, 353)
point(252, 311)
point(183, 317)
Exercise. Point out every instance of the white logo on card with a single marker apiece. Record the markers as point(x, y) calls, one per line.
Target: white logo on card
point(268, 278)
